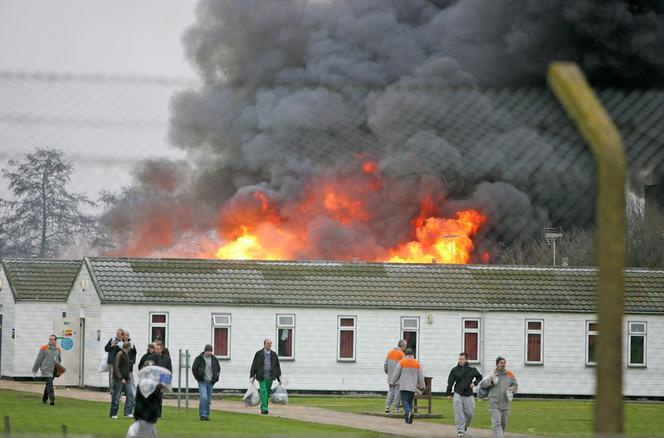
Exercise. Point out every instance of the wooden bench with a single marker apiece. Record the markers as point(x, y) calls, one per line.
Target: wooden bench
point(426, 395)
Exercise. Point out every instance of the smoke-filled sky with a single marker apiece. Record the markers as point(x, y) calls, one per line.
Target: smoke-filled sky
point(298, 95)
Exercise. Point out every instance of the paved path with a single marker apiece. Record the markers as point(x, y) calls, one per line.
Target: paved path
point(302, 413)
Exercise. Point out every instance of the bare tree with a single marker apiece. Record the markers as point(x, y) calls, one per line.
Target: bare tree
point(44, 217)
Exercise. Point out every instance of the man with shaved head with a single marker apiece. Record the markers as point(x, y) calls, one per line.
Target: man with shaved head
point(265, 368)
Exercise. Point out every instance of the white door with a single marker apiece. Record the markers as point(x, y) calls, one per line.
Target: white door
point(67, 331)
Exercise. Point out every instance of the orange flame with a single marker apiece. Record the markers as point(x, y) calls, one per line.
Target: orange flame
point(255, 227)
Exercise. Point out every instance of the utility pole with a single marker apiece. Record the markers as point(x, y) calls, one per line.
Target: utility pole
point(550, 235)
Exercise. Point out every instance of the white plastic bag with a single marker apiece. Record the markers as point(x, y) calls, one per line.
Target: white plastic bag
point(252, 397)
point(152, 376)
point(104, 365)
point(280, 395)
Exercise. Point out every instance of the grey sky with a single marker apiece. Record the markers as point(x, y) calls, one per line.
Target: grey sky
point(120, 36)
point(103, 126)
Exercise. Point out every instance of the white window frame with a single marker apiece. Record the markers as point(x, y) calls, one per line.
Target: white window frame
point(159, 324)
point(341, 328)
point(286, 326)
point(222, 324)
point(410, 329)
point(539, 332)
point(630, 334)
point(477, 330)
point(588, 334)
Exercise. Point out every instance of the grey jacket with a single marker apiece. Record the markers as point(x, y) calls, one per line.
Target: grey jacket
point(498, 391)
point(46, 360)
point(390, 366)
point(409, 374)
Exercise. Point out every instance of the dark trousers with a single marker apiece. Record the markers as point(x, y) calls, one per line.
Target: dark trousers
point(407, 401)
point(49, 392)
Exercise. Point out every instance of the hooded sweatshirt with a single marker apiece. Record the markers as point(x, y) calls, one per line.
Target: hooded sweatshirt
point(391, 362)
point(409, 374)
point(498, 391)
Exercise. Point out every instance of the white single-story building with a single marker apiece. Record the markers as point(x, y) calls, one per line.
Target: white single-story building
point(333, 322)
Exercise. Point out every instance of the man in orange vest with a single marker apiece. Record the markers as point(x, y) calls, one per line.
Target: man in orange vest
point(410, 377)
point(391, 362)
point(48, 356)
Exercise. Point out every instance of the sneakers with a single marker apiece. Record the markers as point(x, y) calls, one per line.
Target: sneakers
point(264, 412)
point(387, 409)
point(410, 417)
point(114, 417)
point(52, 403)
point(205, 419)
point(459, 434)
point(129, 416)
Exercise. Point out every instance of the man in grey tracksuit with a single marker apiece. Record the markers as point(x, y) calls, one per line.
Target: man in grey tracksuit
point(501, 382)
point(463, 378)
point(390, 366)
point(46, 359)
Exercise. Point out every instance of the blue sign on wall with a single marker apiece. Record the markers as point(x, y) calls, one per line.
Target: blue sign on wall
point(67, 344)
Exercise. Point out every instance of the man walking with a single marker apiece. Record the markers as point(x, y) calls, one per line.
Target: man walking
point(265, 368)
point(113, 347)
point(121, 382)
point(390, 366)
point(206, 371)
point(410, 377)
point(501, 385)
point(47, 357)
point(146, 412)
point(463, 378)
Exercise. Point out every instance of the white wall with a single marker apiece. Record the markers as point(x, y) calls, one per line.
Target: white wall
point(7, 302)
point(84, 302)
point(33, 324)
point(315, 366)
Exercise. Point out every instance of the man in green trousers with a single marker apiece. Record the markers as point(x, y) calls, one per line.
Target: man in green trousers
point(265, 368)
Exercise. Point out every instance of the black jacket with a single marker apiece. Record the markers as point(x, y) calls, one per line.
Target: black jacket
point(112, 351)
point(132, 356)
point(148, 408)
point(198, 368)
point(257, 366)
point(146, 356)
point(121, 366)
point(163, 361)
point(461, 377)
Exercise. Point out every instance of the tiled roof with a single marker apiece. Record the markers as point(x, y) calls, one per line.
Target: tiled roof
point(43, 280)
point(370, 285)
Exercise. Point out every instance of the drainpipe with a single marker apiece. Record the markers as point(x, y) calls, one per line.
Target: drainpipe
point(483, 341)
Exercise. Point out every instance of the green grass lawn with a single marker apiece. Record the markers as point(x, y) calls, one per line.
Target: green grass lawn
point(549, 417)
point(29, 416)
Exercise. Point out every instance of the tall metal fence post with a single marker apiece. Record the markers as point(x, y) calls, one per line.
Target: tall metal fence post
point(186, 379)
point(582, 105)
point(179, 376)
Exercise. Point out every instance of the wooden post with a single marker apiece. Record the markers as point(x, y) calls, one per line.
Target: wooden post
point(7, 428)
point(582, 105)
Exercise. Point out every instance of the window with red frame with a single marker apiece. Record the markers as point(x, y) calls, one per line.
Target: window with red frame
point(221, 335)
point(346, 328)
point(534, 337)
point(471, 339)
point(159, 327)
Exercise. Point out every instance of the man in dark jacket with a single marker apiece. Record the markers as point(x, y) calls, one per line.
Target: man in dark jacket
point(112, 347)
point(206, 371)
point(463, 378)
point(121, 382)
point(146, 412)
point(161, 358)
point(265, 368)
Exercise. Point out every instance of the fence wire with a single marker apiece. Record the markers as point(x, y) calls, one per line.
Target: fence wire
point(352, 173)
